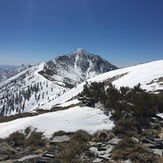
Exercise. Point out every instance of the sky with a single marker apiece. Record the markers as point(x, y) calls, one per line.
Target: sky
point(124, 32)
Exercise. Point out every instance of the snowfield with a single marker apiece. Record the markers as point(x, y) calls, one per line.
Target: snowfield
point(70, 120)
point(149, 75)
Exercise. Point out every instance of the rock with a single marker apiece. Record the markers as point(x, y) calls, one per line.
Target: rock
point(98, 160)
point(135, 139)
point(4, 157)
point(5, 148)
point(91, 143)
point(149, 150)
point(103, 146)
point(28, 157)
point(161, 123)
point(145, 140)
point(109, 150)
point(106, 154)
point(42, 161)
point(128, 161)
point(60, 139)
point(149, 145)
point(114, 141)
point(157, 152)
point(48, 154)
point(158, 142)
point(94, 150)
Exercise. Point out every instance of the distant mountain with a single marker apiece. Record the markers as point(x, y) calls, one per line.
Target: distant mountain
point(7, 72)
point(27, 88)
point(149, 75)
point(77, 66)
point(7, 66)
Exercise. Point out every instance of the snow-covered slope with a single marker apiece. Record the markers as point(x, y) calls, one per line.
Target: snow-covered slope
point(78, 66)
point(28, 90)
point(149, 75)
point(70, 120)
point(10, 71)
point(34, 87)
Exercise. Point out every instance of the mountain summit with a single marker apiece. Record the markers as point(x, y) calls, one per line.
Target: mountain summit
point(79, 66)
point(35, 86)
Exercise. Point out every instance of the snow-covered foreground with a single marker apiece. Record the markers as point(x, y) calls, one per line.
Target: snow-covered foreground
point(73, 119)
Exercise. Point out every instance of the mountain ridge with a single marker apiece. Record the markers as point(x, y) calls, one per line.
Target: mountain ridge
point(89, 119)
point(35, 86)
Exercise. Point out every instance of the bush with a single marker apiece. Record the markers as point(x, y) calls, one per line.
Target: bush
point(124, 149)
point(127, 127)
point(81, 136)
point(129, 149)
point(27, 131)
point(61, 133)
point(101, 136)
point(150, 134)
point(92, 94)
point(36, 139)
point(71, 151)
point(16, 139)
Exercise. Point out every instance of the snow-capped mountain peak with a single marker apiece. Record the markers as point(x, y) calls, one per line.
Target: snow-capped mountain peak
point(79, 50)
point(34, 86)
point(79, 66)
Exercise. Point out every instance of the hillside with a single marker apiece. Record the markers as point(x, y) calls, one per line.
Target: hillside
point(122, 124)
point(7, 72)
point(29, 88)
point(149, 75)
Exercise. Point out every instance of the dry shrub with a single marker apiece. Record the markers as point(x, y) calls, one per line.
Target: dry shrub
point(36, 139)
point(81, 136)
point(129, 149)
point(16, 139)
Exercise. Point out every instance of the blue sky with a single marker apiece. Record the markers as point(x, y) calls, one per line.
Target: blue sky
point(124, 32)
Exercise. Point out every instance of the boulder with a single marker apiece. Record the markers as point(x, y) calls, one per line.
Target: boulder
point(60, 139)
point(157, 152)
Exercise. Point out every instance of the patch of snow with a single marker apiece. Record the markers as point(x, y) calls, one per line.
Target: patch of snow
point(70, 120)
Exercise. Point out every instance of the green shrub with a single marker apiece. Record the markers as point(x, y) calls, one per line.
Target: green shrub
point(92, 94)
